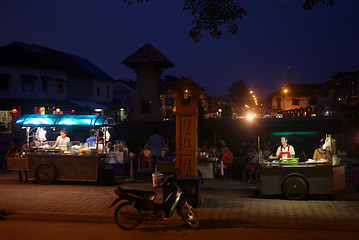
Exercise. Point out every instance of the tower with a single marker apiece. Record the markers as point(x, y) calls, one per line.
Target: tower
point(148, 63)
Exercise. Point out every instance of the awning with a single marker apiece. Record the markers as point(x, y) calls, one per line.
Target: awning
point(69, 120)
point(88, 104)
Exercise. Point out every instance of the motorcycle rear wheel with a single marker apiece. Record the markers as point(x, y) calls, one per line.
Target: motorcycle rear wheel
point(127, 216)
point(188, 215)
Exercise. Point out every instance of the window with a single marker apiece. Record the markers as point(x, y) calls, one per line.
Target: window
point(146, 107)
point(59, 85)
point(45, 83)
point(279, 101)
point(5, 81)
point(28, 82)
point(295, 101)
point(312, 101)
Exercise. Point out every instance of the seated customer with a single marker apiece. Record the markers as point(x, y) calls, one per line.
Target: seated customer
point(321, 153)
point(250, 171)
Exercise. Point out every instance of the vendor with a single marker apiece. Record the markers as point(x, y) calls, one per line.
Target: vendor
point(62, 140)
point(284, 151)
point(321, 153)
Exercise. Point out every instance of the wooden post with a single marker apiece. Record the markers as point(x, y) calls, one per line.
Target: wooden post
point(187, 94)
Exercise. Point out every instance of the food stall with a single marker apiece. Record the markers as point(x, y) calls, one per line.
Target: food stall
point(75, 162)
point(296, 179)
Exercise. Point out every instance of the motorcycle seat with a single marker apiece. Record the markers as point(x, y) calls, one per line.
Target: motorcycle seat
point(150, 195)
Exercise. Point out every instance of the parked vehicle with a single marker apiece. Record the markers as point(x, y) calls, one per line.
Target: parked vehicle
point(138, 206)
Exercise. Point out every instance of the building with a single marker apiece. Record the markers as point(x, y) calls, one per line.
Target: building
point(124, 95)
point(341, 97)
point(36, 79)
point(295, 100)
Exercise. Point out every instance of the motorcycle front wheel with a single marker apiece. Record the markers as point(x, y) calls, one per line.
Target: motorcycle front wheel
point(127, 216)
point(188, 215)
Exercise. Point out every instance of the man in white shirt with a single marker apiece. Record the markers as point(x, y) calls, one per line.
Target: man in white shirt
point(284, 151)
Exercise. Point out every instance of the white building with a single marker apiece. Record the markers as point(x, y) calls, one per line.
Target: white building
point(36, 79)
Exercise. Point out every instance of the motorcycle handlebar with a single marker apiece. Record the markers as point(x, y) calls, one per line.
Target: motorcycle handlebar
point(172, 179)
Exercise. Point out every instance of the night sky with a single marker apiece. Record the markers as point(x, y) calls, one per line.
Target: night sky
point(315, 44)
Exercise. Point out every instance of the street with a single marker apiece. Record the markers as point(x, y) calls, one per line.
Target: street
point(58, 230)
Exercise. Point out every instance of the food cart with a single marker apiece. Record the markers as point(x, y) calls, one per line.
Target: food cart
point(75, 162)
point(295, 180)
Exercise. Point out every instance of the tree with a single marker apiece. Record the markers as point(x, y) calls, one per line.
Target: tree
point(240, 95)
point(213, 15)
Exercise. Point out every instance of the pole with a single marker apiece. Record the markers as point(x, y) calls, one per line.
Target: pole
point(214, 81)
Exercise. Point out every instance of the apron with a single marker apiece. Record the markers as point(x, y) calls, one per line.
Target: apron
point(284, 154)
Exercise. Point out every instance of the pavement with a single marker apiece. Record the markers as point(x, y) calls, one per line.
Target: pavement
point(225, 204)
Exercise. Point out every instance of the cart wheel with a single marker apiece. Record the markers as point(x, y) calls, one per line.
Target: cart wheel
point(45, 173)
point(295, 187)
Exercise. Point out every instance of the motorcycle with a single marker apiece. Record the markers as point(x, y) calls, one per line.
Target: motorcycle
point(139, 206)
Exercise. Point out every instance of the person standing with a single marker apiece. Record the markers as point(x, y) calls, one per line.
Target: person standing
point(90, 140)
point(284, 151)
point(156, 142)
point(14, 151)
point(62, 140)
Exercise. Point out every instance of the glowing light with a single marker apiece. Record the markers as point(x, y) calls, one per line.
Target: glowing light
point(250, 116)
point(14, 110)
point(285, 90)
point(42, 109)
point(57, 110)
point(73, 111)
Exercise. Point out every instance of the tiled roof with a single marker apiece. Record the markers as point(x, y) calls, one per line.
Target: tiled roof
point(26, 55)
point(147, 54)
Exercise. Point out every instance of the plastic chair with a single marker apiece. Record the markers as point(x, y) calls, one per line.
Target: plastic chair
point(147, 157)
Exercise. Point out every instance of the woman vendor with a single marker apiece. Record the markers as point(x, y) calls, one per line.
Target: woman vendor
point(284, 151)
point(62, 140)
point(321, 152)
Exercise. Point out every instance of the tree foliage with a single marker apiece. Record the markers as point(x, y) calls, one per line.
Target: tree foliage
point(213, 15)
point(239, 94)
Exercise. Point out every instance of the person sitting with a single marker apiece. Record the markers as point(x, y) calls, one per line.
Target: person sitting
point(321, 153)
point(250, 171)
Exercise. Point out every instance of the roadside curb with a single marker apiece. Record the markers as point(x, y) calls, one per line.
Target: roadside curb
point(205, 223)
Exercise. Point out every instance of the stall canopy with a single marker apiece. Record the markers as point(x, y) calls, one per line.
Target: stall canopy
point(67, 120)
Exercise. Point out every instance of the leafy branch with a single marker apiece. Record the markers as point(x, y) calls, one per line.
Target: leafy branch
point(212, 15)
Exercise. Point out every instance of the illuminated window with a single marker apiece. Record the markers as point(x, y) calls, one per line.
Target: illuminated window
point(59, 85)
point(295, 101)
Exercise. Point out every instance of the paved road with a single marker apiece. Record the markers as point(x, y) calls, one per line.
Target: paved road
point(20, 229)
point(228, 204)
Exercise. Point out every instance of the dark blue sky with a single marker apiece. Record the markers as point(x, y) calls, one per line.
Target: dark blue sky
point(316, 44)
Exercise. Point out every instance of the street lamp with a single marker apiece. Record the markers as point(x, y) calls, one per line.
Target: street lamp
point(285, 91)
